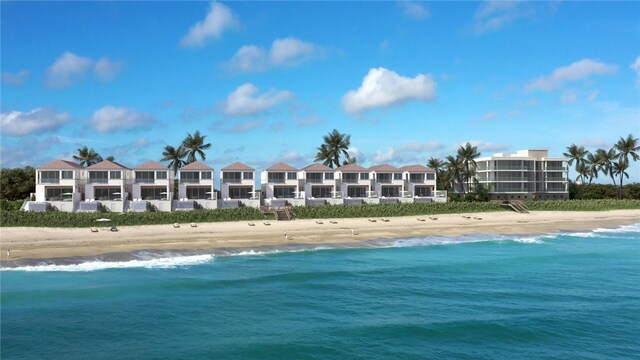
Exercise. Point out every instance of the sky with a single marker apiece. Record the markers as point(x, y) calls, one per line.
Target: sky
point(264, 81)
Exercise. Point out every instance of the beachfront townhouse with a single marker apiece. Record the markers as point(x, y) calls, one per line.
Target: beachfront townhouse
point(59, 186)
point(420, 184)
point(524, 175)
point(152, 187)
point(281, 185)
point(195, 187)
point(389, 183)
point(355, 184)
point(320, 185)
point(108, 187)
point(238, 186)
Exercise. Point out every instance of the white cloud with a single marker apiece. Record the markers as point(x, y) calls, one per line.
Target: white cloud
point(636, 67)
point(17, 123)
point(413, 152)
point(384, 88)
point(246, 126)
point(493, 15)
point(414, 10)
point(485, 146)
point(17, 78)
point(66, 69)
point(70, 67)
point(577, 71)
point(247, 101)
point(218, 20)
point(569, 96)
point(107, 70)
point(285, 52)
point(110, 118)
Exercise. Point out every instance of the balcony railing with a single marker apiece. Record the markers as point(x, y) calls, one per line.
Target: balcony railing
point(231, 181)
point(191, 181)
point(555, 168)
point(351, 181)
point(276, 181)
point(99, 181)
point(49, 181)
point(145, 181)
point(315, 181)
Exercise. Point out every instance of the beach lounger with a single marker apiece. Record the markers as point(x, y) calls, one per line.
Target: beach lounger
point(251, 224)
point(333, 222)
point(319, 222)
point(267, 223)
point(433, 218)
point(385, 220)
point(421, 219)
point(176, 225)
point(113, 228)
point(194, 225)
point(477, 218)
point(93, 229)
point(372, 220)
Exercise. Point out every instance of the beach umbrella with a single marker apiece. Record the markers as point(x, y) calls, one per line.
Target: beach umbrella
point(67, 193)
point(103, 219)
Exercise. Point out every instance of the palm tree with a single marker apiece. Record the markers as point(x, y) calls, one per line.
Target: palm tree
point(606, 160)
point(583, 171)
point(468, 154)
point(87, 157)
point(628, 146)
point(350, 160)
point(575, 153)
point(174, 156)
point(620, 168)
point(335, 145)
point(194, 145)
point(111, 158)
point(436, 164)
point(455, 166)
point(592, 162)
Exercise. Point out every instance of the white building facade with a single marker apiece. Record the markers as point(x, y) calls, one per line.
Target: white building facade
point(152, 187)
point(282, 185)
point(238, 186)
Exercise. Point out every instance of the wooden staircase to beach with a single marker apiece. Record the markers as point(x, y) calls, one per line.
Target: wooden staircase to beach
point(517, 206)
point(280, 213)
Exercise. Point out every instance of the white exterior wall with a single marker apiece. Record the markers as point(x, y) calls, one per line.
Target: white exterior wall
point(182, 186)
point(77, 183)
point(224, 186)
point(410, 186)
point(378, 186)
point(344, 186)
point(324, 182)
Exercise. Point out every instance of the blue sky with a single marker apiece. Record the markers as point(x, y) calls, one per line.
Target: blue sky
point(265, 80)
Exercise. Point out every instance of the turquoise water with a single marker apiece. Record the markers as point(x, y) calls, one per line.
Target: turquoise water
point(562, 296)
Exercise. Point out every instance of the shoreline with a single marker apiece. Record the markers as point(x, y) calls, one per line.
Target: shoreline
point(68, 245)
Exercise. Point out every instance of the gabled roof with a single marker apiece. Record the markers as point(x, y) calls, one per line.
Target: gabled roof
point(60, 164)
point(238, 166)
point(196, 165)
point(317, 167)
point(281, 167)
point(107, 165)
point(351, 167)
point(383, 168)
point(151, 165)
point(416, 168)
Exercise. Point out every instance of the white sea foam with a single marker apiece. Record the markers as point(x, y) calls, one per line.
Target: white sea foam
point(157, 263)
point(621, 229)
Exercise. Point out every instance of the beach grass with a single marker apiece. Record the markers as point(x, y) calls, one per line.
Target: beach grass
point(583, 205)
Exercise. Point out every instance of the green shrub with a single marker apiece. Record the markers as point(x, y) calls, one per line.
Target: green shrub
point(10, 205)
point(583, 205)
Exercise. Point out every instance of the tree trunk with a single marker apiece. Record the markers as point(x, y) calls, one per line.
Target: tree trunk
point(621, 178)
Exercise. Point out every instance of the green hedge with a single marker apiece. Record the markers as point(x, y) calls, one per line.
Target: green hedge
point(583, 205)
point(388, 210)
point(10, 205)
point(65, 219)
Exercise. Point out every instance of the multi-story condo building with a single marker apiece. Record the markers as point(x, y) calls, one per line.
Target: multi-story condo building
point(195, 187)
point(152, 187)
point(389, 183)
point(355, 184)
point(238, 186)
point(59, 185)
point(320, 185)
point(524, 175)
point(281, 186)
point(420, 184)
point(108, 186)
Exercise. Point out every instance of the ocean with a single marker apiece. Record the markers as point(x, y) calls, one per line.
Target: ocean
point(552, 296)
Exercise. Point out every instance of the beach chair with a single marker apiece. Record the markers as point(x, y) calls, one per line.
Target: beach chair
point(176, 225)
point(267, 223)
point(319, 222)
point(421, 219)
point(113, 228)
point(385, 220)
point(94, 229)
point(193, 225)
point(372, 220)
point(333, 222)
point(251, 224)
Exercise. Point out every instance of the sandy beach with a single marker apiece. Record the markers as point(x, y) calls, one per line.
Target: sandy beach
point(51, 243)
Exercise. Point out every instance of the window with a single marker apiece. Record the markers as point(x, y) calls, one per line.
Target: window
point(67, 174)
point(431, 176)
point(115, 174)
point(98, 176)
point(384, 178)
point(391, 191)
point(247, 175)
point(49, 176)
point(276, 177)
point(231, 177)
point(397, 176)
point(190, 177)
point(328, 176)
point(292, 176)
point(314, 177)
point(145, 176)
point(161, 175)
point(58, 194)
point(205, 175)
point(423, 191)
point(153, 193)
point(350, 177)
point(240, 192)
point(321, 192)
point(286, 192)
point(357, 191)
point(198, 192)
point(364, 176)
point(416, 178)
point(107, 193)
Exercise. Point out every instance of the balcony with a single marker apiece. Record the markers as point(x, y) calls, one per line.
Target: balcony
point(315, 181)
point(231, 181)
point(276, 181)
point(49, 181)
point(190, 181)
point(145, 181)
point(99, 181)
